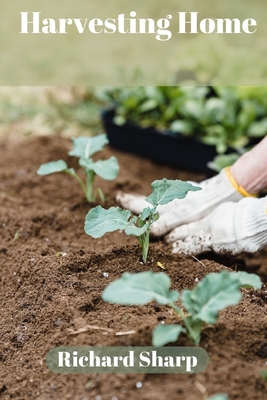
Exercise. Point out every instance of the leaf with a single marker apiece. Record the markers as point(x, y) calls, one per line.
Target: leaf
point(193, 109)
point(132, 230)
point(219, 396)
point(100, 221)
point(87, 146)
point(223, 160)
point(166, 190)
point(106, 169)
point(248, 280)
point(182, 126)
point(119, 120)
point(215, 292)
point(140, 289)
point(257, 128)
point(164, 334)
point(146, 213)
point(53, 167)
point(148, 105)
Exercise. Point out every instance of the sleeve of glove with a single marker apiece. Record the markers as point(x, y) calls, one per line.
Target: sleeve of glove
point(219, 189)
point(231, 228)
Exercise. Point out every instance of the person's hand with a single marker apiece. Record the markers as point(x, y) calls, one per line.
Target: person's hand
point(230, 228)
point(219, 189)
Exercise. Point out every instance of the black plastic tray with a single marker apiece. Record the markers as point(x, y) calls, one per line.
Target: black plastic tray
point(164, 147)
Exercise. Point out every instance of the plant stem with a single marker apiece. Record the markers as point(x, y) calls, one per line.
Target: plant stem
point(144, 239)
point(90, 177)
point(193, 335)
point(145, 245)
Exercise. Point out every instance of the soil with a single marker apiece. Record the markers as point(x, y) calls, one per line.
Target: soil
point(52, 276)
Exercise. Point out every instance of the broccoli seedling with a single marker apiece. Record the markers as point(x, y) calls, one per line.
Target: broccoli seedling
point(100, 221)
point(84, 148)
point(202, 304)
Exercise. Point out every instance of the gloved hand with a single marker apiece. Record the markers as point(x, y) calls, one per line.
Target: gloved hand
point(219, 189)
point(230, 228)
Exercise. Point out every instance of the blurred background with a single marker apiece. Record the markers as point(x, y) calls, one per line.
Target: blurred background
point(133, 59)
point(228, 120)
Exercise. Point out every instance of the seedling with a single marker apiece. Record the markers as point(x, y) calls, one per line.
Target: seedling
point(100, 221)
point(85, 148)
point(200, 305)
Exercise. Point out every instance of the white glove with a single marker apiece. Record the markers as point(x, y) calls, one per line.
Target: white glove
point(219, 189)
point(231, 228)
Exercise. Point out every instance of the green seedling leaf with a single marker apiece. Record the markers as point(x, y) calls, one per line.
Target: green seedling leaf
point(148, 105)
point(132, 230)
point(87, 146)
point(219, 396)
point(146, 213)
point(166, 190)
point(119, 120)
point(164, 334)
point(258, 128)
point(249, 280)
point(182, 126)
point(140, 289)
point(106, 169)
point(215, 292)
point(84, 148)
point(53, 167)
point(223, 160)
point(100, 221)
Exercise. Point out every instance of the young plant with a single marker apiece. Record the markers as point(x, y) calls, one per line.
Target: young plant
point(100, 221)
point(200, 305)
point(84, 148)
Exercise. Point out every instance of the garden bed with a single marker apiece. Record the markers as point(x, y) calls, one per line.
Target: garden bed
point(53, 274)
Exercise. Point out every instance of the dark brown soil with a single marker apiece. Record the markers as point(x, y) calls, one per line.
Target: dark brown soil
point(53, 274)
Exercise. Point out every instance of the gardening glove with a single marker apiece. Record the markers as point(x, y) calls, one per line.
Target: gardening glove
point(219, 189)
point(230, 228)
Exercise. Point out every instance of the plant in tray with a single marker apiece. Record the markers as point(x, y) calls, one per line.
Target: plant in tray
point(227, 118)
point(100, 221)
point(84, 148)
point(200, 305)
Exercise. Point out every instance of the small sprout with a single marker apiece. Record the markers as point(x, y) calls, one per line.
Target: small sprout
point(202, 304)
point(84, 148)
point(100, 221)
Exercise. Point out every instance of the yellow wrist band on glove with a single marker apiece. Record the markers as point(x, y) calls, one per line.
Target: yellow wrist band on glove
point(235, 184)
